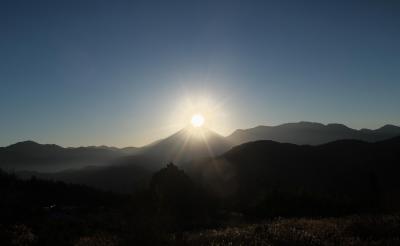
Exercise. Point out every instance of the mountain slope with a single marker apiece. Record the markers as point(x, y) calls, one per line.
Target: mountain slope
point(184, 146)
point(126, 174)
point(311, 133)
point(346, 170)
point(187, 145)
point(30, 155)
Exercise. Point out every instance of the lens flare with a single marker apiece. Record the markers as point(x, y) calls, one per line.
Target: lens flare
point(197, 120)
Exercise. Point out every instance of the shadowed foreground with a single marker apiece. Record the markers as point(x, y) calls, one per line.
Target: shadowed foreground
point(353, 230)
point(341, 193)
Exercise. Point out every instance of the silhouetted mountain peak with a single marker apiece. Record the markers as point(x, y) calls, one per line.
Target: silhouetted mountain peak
point(31, 145)
point(187, 144)
point(191, 134)
point(389, 128)
point(23, 143)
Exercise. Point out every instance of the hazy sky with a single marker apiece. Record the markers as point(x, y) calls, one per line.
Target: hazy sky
point(122, 72)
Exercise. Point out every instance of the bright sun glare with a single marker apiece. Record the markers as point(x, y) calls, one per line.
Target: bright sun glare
point(197, 120)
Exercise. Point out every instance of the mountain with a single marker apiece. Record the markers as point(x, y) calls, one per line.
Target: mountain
point(123, 172)
point(349, 171)
point(187, 145)
point(311, 133)
point(342, 167)
point(29, 155)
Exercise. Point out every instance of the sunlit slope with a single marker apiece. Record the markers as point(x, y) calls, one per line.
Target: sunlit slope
point(187, 145)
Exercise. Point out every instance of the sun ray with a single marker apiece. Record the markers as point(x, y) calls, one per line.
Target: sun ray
point(204, 138)
point(183, 147)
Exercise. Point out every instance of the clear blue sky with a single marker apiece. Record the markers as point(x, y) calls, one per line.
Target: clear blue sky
point(113, 72)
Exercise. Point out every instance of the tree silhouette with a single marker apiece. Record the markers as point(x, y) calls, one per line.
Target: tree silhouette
point(177, 198)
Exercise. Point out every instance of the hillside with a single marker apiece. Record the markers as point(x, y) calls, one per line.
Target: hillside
point(311, 133)
point(33, 156)
point(187, 145)
point(126, 175)
point(347, 171)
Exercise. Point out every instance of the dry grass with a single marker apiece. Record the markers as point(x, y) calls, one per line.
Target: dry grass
point(353, 230)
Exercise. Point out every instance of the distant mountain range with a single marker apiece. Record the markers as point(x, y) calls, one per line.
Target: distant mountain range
point(345, 168)
point(186, 145)
point(311, 133)
point(29, 155)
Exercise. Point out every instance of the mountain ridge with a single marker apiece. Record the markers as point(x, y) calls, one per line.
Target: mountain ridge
point(312, 133)
point(184, 145)
point(257, 158)
point(30, 155)
point(251, 170)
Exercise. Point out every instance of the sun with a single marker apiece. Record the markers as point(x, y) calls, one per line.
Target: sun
point(197, 120)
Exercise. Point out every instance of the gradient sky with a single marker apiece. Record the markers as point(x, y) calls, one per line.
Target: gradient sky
point(117, 72)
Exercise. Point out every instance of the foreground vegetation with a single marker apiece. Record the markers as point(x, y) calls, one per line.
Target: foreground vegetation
point(175, 210)
point(350, 230)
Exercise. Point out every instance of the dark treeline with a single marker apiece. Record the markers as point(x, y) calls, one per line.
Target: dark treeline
point(266, 178)
point(43, 212)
